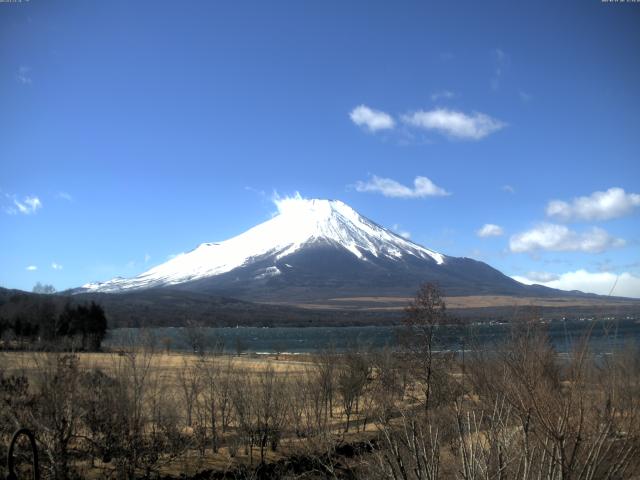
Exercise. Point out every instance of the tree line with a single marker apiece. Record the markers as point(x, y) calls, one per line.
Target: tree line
point(81, 327)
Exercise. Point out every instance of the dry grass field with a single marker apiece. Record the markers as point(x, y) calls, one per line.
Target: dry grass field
point(520, 411)
point(167, 364)
point(466, 302)
point(179, 383)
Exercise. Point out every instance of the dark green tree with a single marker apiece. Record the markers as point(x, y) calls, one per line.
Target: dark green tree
point(97, 327)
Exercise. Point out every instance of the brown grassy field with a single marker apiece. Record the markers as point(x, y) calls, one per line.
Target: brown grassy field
point(466, 302)
point(479, 301)
point(152, 413)
point(167, 364)
point(167, 376)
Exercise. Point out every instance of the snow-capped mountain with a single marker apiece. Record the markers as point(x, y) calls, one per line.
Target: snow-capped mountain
point(314, 249)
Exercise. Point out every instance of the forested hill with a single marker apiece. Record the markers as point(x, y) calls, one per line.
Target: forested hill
point(47, 319)
point(165, 307)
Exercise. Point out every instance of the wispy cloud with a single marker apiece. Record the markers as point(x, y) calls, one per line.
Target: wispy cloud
point(27, 206)
point(624, 284)
point(64, 196)
point(23, 75)
point(422, 187)
point(559, 238)
point(454, 124)
point(442, 95)
point(524, 96)
point(490, 230)
point(500, 60)
point(56, 266)
point(32, 268)
point(403, 233)
point(257, 191)
point(370, 119)
point(612, 203)
point(508, 189)
point(147, 257)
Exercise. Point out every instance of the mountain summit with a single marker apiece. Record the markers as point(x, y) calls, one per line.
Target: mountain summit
point(300, 224)
point(314, 249)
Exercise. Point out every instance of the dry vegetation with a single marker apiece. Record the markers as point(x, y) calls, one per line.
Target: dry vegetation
point(391, 303)
point(518, 411)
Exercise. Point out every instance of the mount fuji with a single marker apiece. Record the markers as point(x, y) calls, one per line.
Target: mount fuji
point(316, 250)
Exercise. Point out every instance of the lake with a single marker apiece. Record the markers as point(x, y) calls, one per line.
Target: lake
point(604, 336)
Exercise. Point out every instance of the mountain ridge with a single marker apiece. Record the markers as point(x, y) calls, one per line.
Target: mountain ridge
point(316, 249)
point(300, 224)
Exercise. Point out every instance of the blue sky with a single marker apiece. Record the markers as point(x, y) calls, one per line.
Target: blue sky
point(131, 131)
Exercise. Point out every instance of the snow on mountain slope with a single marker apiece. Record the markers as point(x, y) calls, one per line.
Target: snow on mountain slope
point(299, 223)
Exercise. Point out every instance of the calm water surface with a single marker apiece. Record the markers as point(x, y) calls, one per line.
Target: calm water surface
point(604, 336)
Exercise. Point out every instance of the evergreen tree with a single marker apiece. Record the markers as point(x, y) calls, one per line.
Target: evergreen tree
point(97, 327)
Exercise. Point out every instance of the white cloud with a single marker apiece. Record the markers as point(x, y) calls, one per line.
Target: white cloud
point(540, 277)
point(56, 266)
point(283, 204)
point(612, 203)
point(147, 257)
point(508, 189)
point(401, 232)
point(28, 206)
point(23, 75)
point(32, 268)
point(624, 285)
point(422, 187)
point(442, 94)
point(64, 196)
point(454, 124)
point(490, 230)
point(559, 238)
point(373, 120)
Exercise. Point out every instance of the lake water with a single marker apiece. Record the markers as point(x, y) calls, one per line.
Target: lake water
point(604, 336)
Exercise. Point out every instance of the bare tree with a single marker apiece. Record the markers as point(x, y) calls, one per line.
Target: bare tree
point(325, 364)
point(43, 288)
point(227, 375)
point(133, 375)
point(389, 383)
point(57, 412)
point(409, 450)
point(270, 409)
point(422, 318)
point(310, 392)
point(551, 417)
point(215, 395)
point(189, 381)
point(352, 378)
point(243, 406)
